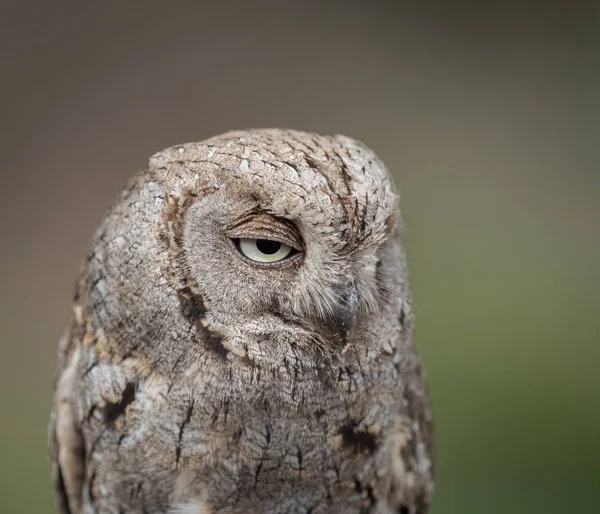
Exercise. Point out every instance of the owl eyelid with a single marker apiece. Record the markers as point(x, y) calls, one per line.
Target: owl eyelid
point(275, 231)
point(268, 237)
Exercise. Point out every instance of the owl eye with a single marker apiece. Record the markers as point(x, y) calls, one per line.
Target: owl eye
point(264, 250)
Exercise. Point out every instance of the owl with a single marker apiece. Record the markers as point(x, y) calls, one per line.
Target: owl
point(241, 340)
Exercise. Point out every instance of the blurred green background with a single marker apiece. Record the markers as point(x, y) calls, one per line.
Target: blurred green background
point(488, 119)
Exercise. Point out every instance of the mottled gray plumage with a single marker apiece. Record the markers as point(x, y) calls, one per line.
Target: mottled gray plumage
point(194, 379)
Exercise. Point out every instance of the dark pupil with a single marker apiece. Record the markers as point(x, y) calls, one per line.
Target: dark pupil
point(268, 247)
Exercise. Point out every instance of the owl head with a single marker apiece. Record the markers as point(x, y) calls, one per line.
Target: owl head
point(258, 247)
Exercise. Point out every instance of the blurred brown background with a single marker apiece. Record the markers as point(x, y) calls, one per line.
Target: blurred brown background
point(488, 119)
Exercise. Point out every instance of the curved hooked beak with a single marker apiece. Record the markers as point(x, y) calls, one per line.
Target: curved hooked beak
point(348, 316)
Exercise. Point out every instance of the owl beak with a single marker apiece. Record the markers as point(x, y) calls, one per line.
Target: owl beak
point(348, 316)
